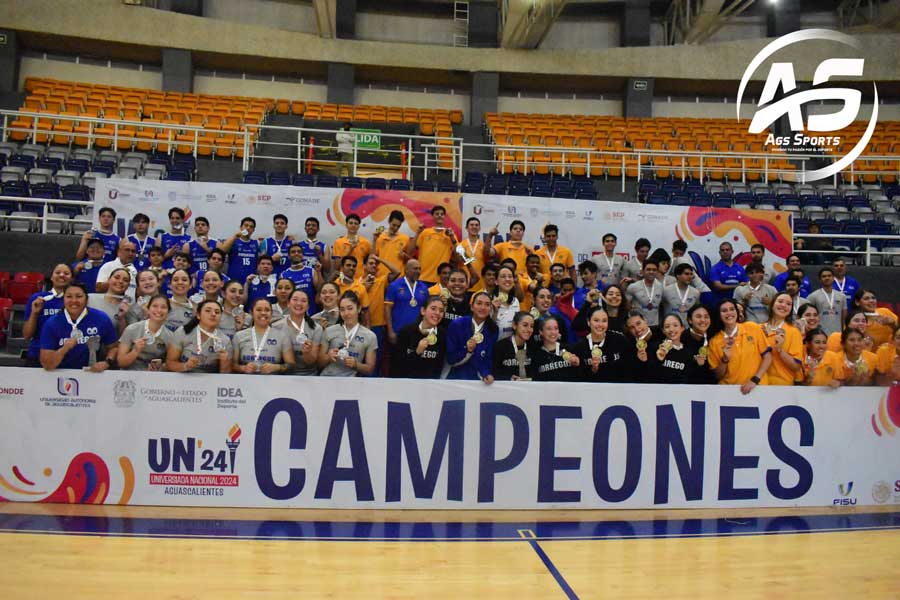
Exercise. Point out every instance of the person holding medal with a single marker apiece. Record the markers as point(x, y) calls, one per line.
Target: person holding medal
point(304, 334)
point(512, 356)
point(391, 246)
point(182, 306)
point(543, 302)
point(591, 300)
point(646, 338)
point(329, 314)
point(470, 342)
point(755, 295)
point(856, 319)
point(233, 316)
point(609, 264)
point(856, 365)
point(831, 303)
point(819, 365)
point(351, 244)
point(142, 241)
point(346, 281)
point(85, 270)
point(696, 339)
point(807, 318)
point(200, 247)
point(471, 251)
point(592, 285)
point(278, 245)
point(260, 348)
point(199, 346)
point(671, 362)
point(403, 300)
point(739, 354)
point(440, 288)
point(564, 309)
point(210, 288)
point(375, 286)
point(645, 295)
point(887, 361)
point(552, 361)
point(348, 348)
point(532, 280)
point(262, 283)
point(105, 234)
point(458, 303)
point(785, 341)
point(552, 253)
point(305, 277)
point(505, 304)
point(143, 345)
point(114, 302)
point(124, 260)
point(78, 337)
point(515, 248)
point(681, 296)
point(603, 354)
point(242, 251)
point(283, 290)
point(147, 287)
point(40, 307)
point(315, 252)
point(174, 240)
point(422, 346)
point(882, 321)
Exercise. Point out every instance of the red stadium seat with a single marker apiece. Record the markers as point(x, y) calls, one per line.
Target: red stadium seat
point(24, 284)
point(4, 284)
point(6, 305)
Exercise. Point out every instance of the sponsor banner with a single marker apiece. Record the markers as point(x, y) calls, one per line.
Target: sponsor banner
point(367, 139)
point(582, 223)
point(184, 440)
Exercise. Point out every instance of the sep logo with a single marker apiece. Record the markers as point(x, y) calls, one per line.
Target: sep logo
point(781, 75)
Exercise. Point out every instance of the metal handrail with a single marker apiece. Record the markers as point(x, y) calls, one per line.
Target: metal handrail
point(868, 252)
point(46, 217)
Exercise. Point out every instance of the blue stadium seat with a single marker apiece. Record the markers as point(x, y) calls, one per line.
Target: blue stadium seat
point(54, 164)
point(680, 199)
point(304, 180)
point(376, 183)
point(447, 187)
point(401, 184)
point(78, 164)
point(541, 192)
point(585, 194)
point(472, 186)
point(327, 181)
point(423, 186)
point(255, 177)
point(22, 160)
point(178, 175)
point(355, 183)
point(279, 178)
point(658, 198)
point(564, 193)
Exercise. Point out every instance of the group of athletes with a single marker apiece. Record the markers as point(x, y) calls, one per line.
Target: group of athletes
point(434, 306)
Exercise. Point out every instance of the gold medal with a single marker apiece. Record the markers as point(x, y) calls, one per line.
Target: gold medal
point(535, 313)
point(432, 338)
point(661, 354)
point(704, 351)
point(641, 344)
point(379, 229)
point(413, 303)
point(503, 296)
point(567, 356)
point(596, 352)
point(445, 293)
point(862, 368)
point(478, 337)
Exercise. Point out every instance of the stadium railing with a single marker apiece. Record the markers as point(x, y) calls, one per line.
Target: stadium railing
point(40, 221)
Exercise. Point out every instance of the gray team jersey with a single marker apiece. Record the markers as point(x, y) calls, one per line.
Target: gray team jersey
point(831, 308)
point(676, 301)
point(272, 350)
point(136, 312)
point(647, 304)
point(228, 325)
point(209, 356)
point(632, 268)
point(608, 269)
point(754, 309)
point(179, 314)
point(157, 349)
point(698, 281)
point(278, 313)
point(330, 317)
point(313, 333)
point(99, 302)
point(363, 342)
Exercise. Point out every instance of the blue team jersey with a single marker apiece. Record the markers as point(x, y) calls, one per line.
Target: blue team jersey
point(199, 256)
point(110, 244)
point(726, 275)
point(57, 330)
point(50, 308)
point(169, 241)
point(805, 286)
point(242, 259)
point(264, 288)
point(271, 247)
point(480, 363)
point(141, 258)
point(402, 314)
point(582, 292)
point(88, 277)
point(200, 274)
point(309, 251)
point(303, 280)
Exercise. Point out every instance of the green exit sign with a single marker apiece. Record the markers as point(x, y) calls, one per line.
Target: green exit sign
point(368, 139)
point(2, 39)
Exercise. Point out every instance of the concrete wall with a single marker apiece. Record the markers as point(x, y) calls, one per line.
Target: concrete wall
point(577, 106)
point(575, 34)
point(444, 100)
point(68, 71)
point(709, 61)
point(411, 30)
point(280, 14)
point(663, 107)
point(311, 92)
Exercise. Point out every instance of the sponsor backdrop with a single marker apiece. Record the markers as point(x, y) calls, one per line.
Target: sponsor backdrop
point(582, 223)
point(174, 439)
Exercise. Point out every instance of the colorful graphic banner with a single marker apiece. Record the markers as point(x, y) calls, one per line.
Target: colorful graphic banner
point(582, 223)
point(210, 440)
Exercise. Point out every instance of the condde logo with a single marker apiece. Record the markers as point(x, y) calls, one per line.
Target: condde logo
point(781, 76)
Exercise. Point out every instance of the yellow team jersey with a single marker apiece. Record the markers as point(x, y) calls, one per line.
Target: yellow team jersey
point(779, 373)
point(355, 287)
point(823, 373)
point(842, 371)
point(518, 251)
point(562, 255)
point(746, 355)
point(884, 359)
point(475, 251)
point(527, 296)
point(881, 334)
point(342, 247)
point(435, 247)
point(389, 249)
point(375, 295)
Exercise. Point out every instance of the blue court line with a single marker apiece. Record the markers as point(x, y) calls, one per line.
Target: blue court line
point(446, 531)
point(527, 534)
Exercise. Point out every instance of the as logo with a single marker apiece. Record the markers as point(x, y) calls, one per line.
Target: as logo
point(67, 386)
point(781, 76)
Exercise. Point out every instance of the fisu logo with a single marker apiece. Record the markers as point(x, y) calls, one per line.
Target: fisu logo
point(781, 75)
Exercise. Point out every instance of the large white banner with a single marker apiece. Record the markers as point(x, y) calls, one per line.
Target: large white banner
point(179, 440)
point(582, 223)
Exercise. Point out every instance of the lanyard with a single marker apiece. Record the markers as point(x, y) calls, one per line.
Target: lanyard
point(80, 317)
point(687, 290)
point(840, 284)
point(551, 257)
point(349, 334)
point(610, 262)
point(471, 249)
point(705, 343)
point(591, 342)
point(649, 292)
point(294, 325)
point(209, 335)
point(257, 348)
point(149, 335)
point(829, 298)
point(733, 334)
point(412, 289)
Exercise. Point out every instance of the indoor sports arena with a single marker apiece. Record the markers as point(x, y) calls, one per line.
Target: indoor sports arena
point(449, 299)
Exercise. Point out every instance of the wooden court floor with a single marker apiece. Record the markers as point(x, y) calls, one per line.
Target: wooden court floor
point(73, 552)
